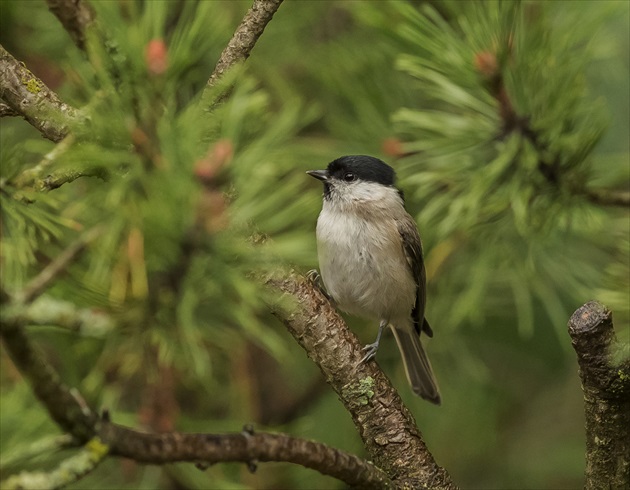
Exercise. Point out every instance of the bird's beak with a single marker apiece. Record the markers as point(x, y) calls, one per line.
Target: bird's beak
point(319, 174)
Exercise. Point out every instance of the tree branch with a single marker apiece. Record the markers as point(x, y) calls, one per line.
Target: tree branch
point(385, 425)
point(75, 16)
point(246, 447)
point(90, 322)
point(65, 407)
point(605, 375)
point(45, 446)
point(245, 37)
point(70, 471)
point(69, 411)
point(30, 175)
point(609, 197)
point(57, 179)
point(6, 111)
point(39, 283)
point(27, 95)
point(488, 66)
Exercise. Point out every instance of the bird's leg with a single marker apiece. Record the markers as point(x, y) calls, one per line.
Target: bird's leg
point(314, 277)
point(372, 348)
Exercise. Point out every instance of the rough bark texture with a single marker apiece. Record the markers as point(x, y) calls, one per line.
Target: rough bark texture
point(6, 111)
point(69, 411)
point(605, 376)
point(386, 426)
point(64, 407)
point(246, 447)
point(74, 16)
point(27, 95)
point(245, 37)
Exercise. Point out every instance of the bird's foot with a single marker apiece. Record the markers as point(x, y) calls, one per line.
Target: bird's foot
point(370, 351)
point(316, 279)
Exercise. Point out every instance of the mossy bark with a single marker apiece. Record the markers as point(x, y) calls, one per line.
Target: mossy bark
point(605, 375)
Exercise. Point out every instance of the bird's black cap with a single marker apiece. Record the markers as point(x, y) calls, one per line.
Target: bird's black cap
point(365, 167)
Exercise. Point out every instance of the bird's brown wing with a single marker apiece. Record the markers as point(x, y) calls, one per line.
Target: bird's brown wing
point(412, 246)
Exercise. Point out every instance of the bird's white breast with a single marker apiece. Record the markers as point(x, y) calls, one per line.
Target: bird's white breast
point(362, 260)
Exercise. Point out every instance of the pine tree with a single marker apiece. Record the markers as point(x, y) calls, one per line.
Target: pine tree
point(145, 239)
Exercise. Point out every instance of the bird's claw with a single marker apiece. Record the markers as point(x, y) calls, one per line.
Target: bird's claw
point(371, 350)
point(316, 279)
point(313, 276)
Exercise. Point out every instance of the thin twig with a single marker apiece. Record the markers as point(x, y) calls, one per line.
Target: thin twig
point(91, 322)
point(32, 99)
point(75, 16)
point(28, 176)
point(42, 447)
point(38, 284)
point(57, 179)
point(70, 471)
point(245, 37)
point(609, 198)
point(487, 64)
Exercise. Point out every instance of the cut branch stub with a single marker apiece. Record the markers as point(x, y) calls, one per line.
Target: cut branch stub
point(605, 375)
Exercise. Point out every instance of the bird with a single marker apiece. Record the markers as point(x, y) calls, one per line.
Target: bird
point(370, 258)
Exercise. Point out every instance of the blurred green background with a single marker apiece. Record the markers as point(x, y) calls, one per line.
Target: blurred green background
point(513, 245)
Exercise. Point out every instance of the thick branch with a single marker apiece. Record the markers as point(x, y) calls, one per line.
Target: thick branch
point(74, 16)
point(27, 95)
point(74, 416)
point(245, 447)
point(606, 385)
point(6, 111)
point(66, 408)
point(385, 425)
point(245, 37)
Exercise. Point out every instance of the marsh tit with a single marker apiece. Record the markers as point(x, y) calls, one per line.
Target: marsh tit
point(370, 259)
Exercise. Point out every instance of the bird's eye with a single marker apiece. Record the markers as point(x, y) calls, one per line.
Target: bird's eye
point(349, 177)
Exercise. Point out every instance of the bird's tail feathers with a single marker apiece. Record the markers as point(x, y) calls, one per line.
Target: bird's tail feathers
point(417, 365)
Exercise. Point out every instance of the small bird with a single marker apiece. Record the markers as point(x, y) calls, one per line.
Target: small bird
point(370, 258)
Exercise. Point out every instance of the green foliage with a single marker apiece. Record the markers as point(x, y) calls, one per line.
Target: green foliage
point(199, 200)
point(502, 191)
